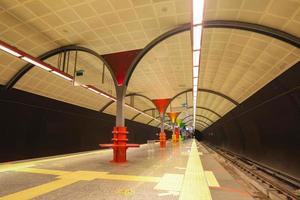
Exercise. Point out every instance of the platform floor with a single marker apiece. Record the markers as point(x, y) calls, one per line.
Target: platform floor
point(184, 171)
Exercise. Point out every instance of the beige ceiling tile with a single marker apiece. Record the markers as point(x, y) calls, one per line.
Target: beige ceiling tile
point(293, 28)
point(138, 35)
point(8, 19)
point(38, 24)
point(79, 26)
point(145, 12)
point(11, 36)
point(227, 14)
point(21, 13)
point(256, 5)
point(117, 29)
point(150, 24)
point(273, 21)
point(120, 4)
point(89, 35)
point(123, 37)
point(185, 18)
point(167, 23)
point(127, 15)
point(110, 19)
point(102, 32)
point(37, 7)
point(102, 6)
point(165, 9)
point(284, 8)
point(84, 11)
point(249, 16)
point(229, 4)
point(68, 15)
point(52, 20)
point(133, 26)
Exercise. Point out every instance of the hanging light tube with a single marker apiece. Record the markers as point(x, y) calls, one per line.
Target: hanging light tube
point(93, 90)
point(198, 10)
point(197, 30)
point(62, 75)
point(10, 51)
point(36, 63)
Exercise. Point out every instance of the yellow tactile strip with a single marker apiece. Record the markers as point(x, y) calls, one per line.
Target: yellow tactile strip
point(194, 184)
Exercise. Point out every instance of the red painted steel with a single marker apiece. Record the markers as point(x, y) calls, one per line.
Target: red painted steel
point(161, 104)
point(119, 145)
point(120, 63)
point(162, 140)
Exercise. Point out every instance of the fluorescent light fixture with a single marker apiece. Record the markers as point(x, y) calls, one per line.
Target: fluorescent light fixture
point(195, 93)
point(36, 63)
point(105, 95)
point(197, 32)
point(195, 71)
point(198, 9)
point(7, 50)
point(196, 58)
point(62, 75)
point(93, 90)
point(195, 81)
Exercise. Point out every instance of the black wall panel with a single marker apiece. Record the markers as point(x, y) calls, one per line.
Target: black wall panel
point(266, 127)
point(34, 126)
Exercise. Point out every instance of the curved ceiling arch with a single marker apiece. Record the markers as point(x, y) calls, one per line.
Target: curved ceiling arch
point(127, 95)
point(198, 120)
point(261, 29)
point(208, 91)
point(52, 53)
point(204, 108)
point(198, 116)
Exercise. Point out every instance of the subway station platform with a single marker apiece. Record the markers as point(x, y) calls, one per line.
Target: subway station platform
point(181, 171)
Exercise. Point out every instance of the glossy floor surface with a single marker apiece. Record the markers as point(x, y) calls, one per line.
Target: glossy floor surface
point(185, 171)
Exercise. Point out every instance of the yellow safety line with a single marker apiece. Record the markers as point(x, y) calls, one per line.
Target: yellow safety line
point(42, 171)
point(10, 166)
point(194, 183)
point(211, 179)
point(39, 190)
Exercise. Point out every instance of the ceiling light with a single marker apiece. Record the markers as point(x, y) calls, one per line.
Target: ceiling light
point(195, 71)
point(195, 81)
point(8, 50)
point(62, 75)
point(198, 9)
point(196, 58)
point(36, 63)
point(197, 31)
point(93, 90)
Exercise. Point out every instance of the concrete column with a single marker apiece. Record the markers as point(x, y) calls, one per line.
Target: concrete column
point(120, 118)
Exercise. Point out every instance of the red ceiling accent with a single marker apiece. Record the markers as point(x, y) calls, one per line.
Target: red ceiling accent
point(173, 116)
point(161, 104)
point(120, 62)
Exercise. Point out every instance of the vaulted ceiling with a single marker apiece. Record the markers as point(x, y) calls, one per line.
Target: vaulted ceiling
point(234, 63)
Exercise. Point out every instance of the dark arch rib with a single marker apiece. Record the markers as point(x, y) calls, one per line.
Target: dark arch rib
point(198, 116)
point(204, 108)
point(127, 95)
point(208, 91)
point(198, 120)
point(265, 30)
point(51, 53)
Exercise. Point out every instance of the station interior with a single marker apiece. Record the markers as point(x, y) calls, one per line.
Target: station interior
point(150, 99)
